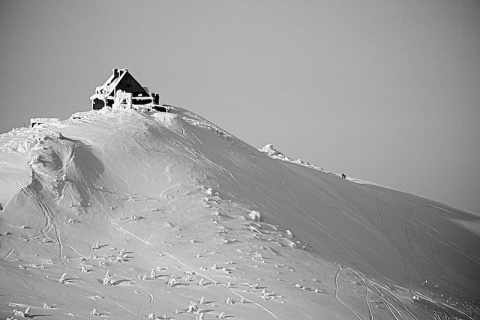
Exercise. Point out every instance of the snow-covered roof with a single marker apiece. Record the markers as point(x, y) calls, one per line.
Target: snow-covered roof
point(107, 88)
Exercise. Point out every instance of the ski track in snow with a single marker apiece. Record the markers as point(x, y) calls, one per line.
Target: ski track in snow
point(43, 231)
point(367, 304)
point(382, 291)
point(257, 304)
point(336, 293)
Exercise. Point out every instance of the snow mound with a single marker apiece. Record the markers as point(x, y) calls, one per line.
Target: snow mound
point(61, 168)
point(112, 211)
point(272, 152)
point(275, 154)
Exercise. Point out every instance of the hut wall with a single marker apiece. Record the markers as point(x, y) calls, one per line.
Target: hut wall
point(156, 98)
point(142, 101)
point(97, 104)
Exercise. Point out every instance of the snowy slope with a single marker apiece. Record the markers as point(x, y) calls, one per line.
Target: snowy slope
point(229, 231)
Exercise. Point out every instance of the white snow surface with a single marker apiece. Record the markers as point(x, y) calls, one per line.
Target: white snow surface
point(182, 220)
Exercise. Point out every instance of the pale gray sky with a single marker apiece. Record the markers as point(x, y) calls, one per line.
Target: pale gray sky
point(386, 91)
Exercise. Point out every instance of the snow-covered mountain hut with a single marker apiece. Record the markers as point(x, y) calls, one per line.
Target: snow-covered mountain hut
point(122, 90)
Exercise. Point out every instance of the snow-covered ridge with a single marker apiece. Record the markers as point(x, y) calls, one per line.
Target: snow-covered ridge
point(138, 214)
point(273, 153)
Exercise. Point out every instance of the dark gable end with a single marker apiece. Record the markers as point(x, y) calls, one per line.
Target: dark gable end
point(129, 84)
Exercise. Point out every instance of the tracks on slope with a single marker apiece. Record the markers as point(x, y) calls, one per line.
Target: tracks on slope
point(171, 256)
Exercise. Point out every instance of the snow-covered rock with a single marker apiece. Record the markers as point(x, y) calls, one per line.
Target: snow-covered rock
point(255, 216)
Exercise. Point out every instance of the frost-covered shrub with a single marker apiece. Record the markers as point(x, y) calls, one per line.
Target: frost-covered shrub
point(17, 313)
point(255, 216)
point(172, 282)
point(107, 280)
point(96, 245)
point(62, 278)
point(192, 307)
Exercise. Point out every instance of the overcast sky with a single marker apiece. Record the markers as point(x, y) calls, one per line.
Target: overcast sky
point(386, 91)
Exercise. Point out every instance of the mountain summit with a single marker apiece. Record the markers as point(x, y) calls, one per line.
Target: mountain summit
point(127, 214)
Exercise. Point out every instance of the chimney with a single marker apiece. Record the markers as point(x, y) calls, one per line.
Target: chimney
point(115, 73)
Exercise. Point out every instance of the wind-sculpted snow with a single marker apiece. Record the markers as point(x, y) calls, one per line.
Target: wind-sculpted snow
point(62, 168)
point(124, 214)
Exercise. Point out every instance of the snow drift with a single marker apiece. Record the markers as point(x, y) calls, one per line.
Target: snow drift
point(149, 197)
